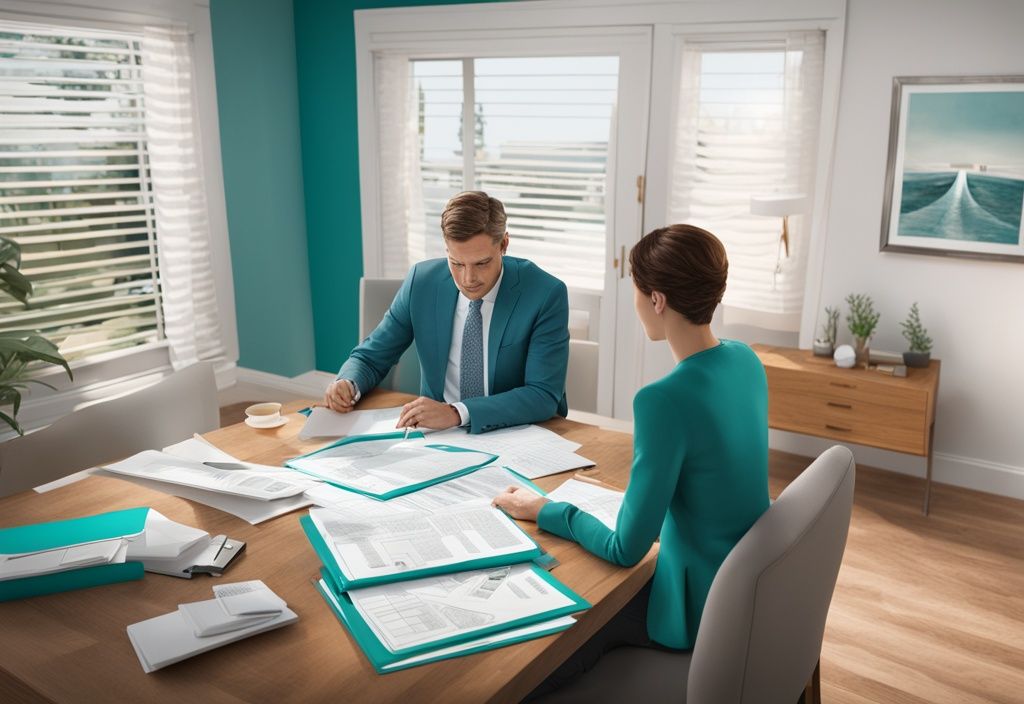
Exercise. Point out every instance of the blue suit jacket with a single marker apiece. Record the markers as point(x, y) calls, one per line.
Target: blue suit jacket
point(527, 346)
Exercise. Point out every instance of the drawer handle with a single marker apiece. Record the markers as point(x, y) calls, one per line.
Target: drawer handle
point(839, 405)
point(841, 384)
point(836, 427)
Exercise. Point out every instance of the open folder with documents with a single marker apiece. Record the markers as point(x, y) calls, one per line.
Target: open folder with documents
point(415, 622)
point(45, 558)
point(389, 465)
point(529, 450)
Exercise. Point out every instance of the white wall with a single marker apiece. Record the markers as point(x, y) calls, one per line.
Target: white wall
point(974, 310)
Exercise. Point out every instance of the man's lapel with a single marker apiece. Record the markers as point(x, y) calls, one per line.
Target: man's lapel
point(508, 296)
point(444, 307)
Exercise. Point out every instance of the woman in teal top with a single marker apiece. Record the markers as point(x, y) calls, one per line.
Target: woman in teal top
point(699, 478)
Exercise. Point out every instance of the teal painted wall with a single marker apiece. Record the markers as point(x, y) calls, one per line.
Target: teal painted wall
point(257, 98)
point(325, 43)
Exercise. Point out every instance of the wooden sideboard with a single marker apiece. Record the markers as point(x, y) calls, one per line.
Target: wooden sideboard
point(811, 395)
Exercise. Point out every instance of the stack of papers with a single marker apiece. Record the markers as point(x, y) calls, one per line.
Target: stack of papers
point(529, 450)
point(171, 548)
point(602, 503)
point(237, 611)
point(255, 494)
point(412, 623)
point(45, 558)
point(325, 423)
point(386, 466)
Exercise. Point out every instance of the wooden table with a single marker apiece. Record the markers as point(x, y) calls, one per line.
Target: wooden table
point(72, 647)
point(811, 395)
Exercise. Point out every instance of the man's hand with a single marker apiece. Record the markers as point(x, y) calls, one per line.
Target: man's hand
point(428, 413)
point(520, 503)
point(340, 396)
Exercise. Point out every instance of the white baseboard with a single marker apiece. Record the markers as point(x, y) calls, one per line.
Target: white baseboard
point(966, 472)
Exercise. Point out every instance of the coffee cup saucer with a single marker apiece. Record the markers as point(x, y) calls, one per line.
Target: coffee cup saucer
point(262, 425)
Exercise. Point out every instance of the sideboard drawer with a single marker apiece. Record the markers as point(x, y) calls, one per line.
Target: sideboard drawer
point(841, 389)
point(862, 422)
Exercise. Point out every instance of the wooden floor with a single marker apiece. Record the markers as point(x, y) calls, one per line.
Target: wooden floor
point(926, 610)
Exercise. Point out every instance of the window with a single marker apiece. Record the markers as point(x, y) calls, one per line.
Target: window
point(538, 141)
point(747, 125)
point(77, 194)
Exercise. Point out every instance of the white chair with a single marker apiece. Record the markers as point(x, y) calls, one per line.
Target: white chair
point(166, 412)
point(375, 297)
point(581, 376)
point(760, 634)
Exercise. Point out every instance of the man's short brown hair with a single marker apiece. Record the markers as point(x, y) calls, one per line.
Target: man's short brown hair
point(685, 263)
point(471, 213)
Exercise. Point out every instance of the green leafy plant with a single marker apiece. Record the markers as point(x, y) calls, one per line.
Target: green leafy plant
point(830, 328)
point(916, 333)
point(19, 348)
point(862, 319)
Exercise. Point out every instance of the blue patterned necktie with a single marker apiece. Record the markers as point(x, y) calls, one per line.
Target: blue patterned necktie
point(471, 371)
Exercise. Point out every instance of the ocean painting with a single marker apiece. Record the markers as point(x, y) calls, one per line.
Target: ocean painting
point(958, 184)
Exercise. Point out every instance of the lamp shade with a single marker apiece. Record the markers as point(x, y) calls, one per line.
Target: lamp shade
point(778, 205)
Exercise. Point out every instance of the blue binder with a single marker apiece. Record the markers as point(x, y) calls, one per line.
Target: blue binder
point(76, 531)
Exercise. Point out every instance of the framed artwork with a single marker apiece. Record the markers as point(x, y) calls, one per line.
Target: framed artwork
point(954, 185)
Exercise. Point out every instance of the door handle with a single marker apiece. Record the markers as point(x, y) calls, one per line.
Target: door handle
point(619, 262)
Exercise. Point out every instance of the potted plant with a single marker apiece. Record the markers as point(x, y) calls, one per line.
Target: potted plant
point(862, 320)
point(19, 348)
point(920, 353)
point(825, 345)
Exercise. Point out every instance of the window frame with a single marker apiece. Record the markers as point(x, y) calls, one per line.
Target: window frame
point(123, 371)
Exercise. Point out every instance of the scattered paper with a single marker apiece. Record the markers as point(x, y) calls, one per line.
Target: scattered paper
point(530, 450)
point(325, 423)
point(603, 504)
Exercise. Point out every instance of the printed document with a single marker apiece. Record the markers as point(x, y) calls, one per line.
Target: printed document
point(377, 546)
point(379, 467)
point(485, 483)
point(422, 611)
point(530, 450)
point(601, 503)
point(62, 559)
point(176, 470)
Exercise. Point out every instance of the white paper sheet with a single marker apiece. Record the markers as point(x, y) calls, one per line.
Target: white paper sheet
point(377, 546)
point(603, 504)
point(199, 449)
point(530, 450)
point(381, 466)
point(251, 510)
point(422, 611)
point(62, 559)
point(485, 483)
point(163, 539)
point(325, 423)
point(176, 470)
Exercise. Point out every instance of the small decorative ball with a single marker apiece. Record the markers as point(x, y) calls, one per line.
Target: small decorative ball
point(845, 356)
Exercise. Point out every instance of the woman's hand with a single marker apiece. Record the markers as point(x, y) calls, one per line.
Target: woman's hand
point(520, 503)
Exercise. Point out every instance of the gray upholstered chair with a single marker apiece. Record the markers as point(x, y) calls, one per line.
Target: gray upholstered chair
point(375, 297)
point(761, 631)
point(159, 415)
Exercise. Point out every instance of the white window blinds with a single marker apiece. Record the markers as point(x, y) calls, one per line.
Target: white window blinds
point(75, 192)
point(538, 141)
point(101, 186)
point(747, 125)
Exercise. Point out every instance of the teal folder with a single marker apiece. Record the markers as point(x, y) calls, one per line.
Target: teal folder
point(344, 583)
point(385, 661)
point(49, 536)
point(388, 436)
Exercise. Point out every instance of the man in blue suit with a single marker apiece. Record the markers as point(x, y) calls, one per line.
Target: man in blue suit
point(491, 332)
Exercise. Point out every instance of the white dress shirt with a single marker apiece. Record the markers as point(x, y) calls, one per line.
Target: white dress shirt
point(452, 391)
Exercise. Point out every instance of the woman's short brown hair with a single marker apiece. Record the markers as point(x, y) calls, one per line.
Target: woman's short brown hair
point(685, 263)
point(470, 213)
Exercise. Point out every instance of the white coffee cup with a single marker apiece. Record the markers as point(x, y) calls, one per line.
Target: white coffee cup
point(264, 415)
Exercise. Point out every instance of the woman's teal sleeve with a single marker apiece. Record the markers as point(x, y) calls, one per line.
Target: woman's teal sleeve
point(658, 453)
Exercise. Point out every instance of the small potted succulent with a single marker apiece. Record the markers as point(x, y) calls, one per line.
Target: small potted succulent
point(862, 320)
point(825, 345)
point(920, 353)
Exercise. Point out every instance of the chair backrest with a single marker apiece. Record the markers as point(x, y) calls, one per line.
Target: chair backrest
point(761, 630)
point(581, 376)
point(375, 297)
point(159, 415)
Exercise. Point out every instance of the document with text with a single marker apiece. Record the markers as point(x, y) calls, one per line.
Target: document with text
point(530, 450)
point(602, 503)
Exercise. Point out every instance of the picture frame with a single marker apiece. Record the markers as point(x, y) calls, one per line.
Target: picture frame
point(954, 182)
